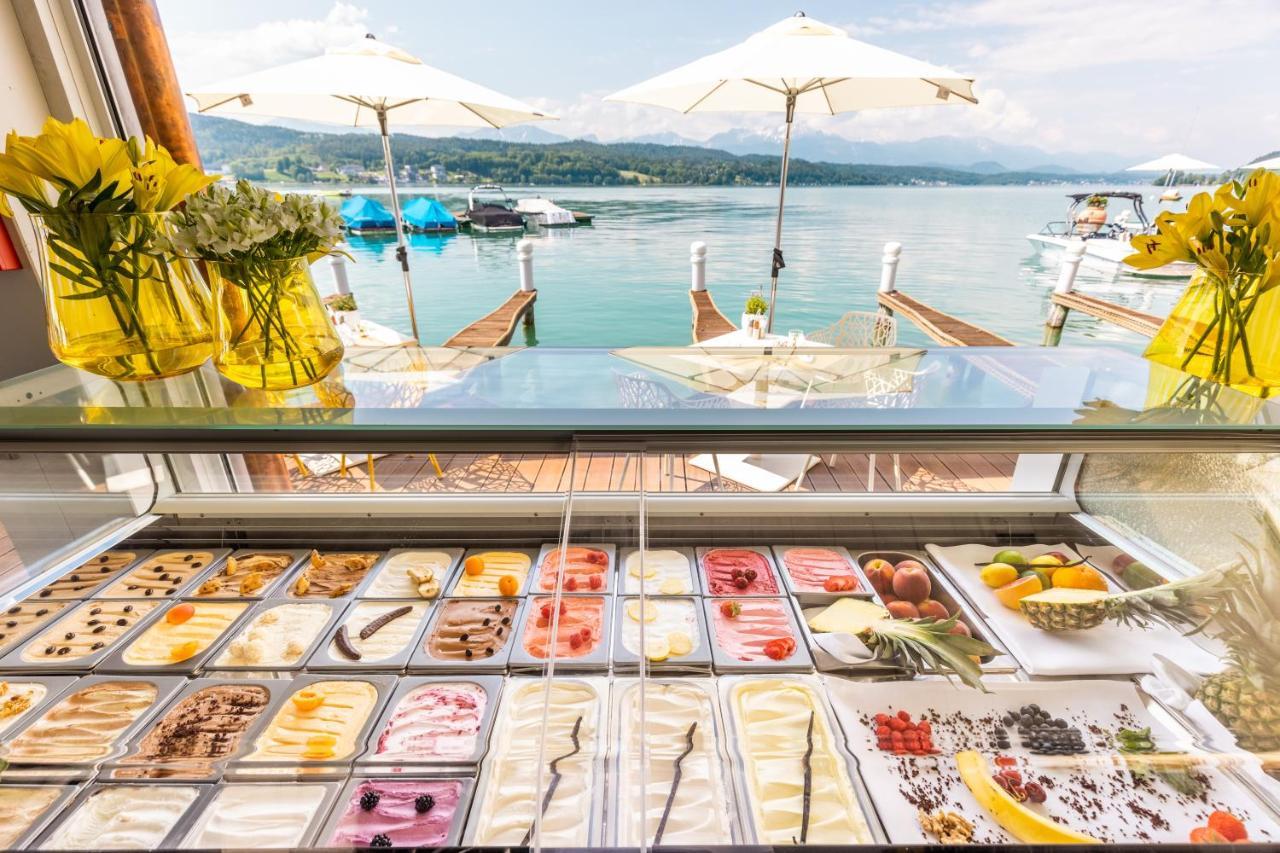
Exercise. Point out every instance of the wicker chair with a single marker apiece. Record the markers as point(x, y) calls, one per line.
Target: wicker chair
point(858, 330)
point(638, 391)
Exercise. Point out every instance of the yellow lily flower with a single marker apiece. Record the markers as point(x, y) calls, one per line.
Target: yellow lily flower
point(1210, 258)
point(161, 184)
point(20, 182)
point(1260, 196)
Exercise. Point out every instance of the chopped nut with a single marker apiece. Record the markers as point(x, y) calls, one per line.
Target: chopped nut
point(948, 827)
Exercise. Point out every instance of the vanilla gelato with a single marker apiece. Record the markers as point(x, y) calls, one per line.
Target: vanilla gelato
point(17, 698)
point(664, 572)
point(270, 816)
point(410, 574)
point(123, 817)
point(20, 808)
point(374, 631)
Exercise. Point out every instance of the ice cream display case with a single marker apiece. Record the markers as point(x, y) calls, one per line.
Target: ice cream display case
point(644, 597)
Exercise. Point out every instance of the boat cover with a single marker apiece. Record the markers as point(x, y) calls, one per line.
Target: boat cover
point(546, 211)
point(362, 214)
point(427, 214)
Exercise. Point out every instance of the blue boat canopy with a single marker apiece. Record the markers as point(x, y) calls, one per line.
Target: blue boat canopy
point(362, 214)
point(427, 214)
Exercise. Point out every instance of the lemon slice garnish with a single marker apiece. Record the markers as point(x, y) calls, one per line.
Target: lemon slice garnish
point(657, 649)
point(633, 610)
point(672, 586)
point(679, 643)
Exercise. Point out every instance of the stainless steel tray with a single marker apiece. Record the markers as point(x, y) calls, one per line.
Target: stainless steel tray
point(373, 761)
point(350, 794)
point(327, 657)
point(286, 591)
point(799, 662)
point(444, 578)
point(610, 569)
point(271, 588)
point(532, 553)
point(87, 569)
point(257, 833)
point(597, 660)
point(422, 662)
point(821, 597)
point(176, 831)
point(762, 550)
point(624, 578)
point(28, 657)
point(696, 662)
point(115, 662)
point(212, 663)
point(119, 588)
point(50, 813)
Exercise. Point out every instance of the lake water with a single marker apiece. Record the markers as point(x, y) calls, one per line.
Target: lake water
point(624, 280)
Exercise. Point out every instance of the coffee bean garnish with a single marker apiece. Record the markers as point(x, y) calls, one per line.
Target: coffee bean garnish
point(99, 629)
point(104, 570)
point(128, 608)
point(506, 620)
point(70, 635)
point(42, 611)
point(104, 558)
point(48, 650)
point(188, 558)
point(64, 650)
point(122, 622)
point(163, 577)
point(196, 565)
point(486, 621)
point(148, 591)
point(468, 652)
point(464, 638)
point(15, 609)
point(171, 590)
point(131, 586)
point(12, 623)
point(488, 652)
point(95, 611)
point(45, 593)
point(498, 632)
point(96, 646)
point(74, 578)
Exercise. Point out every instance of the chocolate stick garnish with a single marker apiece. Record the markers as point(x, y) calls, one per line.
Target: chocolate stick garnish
point(675, 783)
point(555, 777)
point(378, 624)
point(808, 781)
point(343, 643)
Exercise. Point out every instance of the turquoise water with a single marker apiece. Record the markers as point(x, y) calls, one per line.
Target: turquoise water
point(624, 281)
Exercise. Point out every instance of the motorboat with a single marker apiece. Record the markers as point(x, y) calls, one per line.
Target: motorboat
point(1106, 241)
point(492, 217)
point(545, 212)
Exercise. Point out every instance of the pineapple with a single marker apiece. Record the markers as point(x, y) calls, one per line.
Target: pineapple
point(1238, 605)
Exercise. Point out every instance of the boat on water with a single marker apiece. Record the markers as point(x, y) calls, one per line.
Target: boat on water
point(363, 215)
point(1106, 240)
point(428, 216)
point(545, 212)
point(491, 216)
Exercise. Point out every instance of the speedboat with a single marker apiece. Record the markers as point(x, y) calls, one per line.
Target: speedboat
point(545, 212)
point(492, 217)
point(1106, 243)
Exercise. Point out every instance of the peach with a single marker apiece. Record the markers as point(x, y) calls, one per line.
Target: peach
point(909, 564)
point(903, 610)
point(912, 584)
point(880, 574)
point(961, 629)
point(1121, 562)
point(888, 598)
point(933, 608)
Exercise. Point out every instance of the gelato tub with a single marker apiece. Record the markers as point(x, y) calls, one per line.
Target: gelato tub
point(332, 575)
point(434, 721)
point(20, 620)
point(178, 637)
point(738, 571)
point(83, 636)
point(26, 809)
point(571, 787)
point(581, 639)
point(324, 721)
point(674, 636)
point(88, 577)
point(122, 817)
point(164, 574)
point(247, 574)
point(821, 573)
point(584, 568)
point(23, 696)
point(754, 634)
point(665, 571)
point(262, 815)
point(787, 746)
point(686, 799)
point(482, 572)
point(412, 573)
point(400, 812)
point(278, 635)
point(469, 634)
point(372, 635)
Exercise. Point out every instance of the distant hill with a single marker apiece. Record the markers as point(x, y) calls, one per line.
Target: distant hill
point(277, 153)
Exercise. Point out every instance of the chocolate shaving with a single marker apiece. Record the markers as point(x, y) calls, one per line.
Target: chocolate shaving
point(343, 643)
point(555, 777)
point(378, 624)
point(808, 782)
point(675, 783)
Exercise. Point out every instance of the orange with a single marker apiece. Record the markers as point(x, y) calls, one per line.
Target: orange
point(320, 747)
point(1080, 577)
point(508, 585)
point(182, 651)
point(180, 613)
point(474, 565)
point(1014, 591)
point(307, 700)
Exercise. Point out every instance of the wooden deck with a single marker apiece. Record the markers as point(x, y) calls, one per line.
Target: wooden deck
point(943, 328)
point(605, 472)
point(708, 322)
point(1121, 315)
point(496, 328)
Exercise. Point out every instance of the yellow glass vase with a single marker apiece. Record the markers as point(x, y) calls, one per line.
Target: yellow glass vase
point(271, 329)
point(1223, 331)
point(117, 304)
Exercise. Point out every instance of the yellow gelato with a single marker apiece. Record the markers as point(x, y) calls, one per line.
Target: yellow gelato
point(319, 722)
point(493, 565)
point(169, 640)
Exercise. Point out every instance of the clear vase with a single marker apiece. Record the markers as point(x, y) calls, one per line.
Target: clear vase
point(117, 304)
point(271, 329)
point(1224, 331)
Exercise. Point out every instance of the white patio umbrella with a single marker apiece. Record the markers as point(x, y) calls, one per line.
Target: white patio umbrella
point(360, 85)
point(800, 65)
point(1273, 163)
point(1173, 163)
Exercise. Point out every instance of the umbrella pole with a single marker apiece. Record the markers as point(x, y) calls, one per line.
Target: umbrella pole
point(402, 251)
point(782, 195)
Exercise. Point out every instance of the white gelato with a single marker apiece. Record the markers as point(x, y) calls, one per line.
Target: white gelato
point(279, 636)
point(123, 817)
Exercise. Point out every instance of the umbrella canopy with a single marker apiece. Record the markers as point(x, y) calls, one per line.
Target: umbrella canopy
point(1271, 163)
point(427, 214)
point(360, 85)
point(800, 65)
point(1174, 163)
point(362, 213)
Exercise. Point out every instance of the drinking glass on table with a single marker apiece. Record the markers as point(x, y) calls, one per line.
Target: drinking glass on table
point(794, 337)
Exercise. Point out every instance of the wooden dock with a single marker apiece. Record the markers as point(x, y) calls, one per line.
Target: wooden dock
point(1121, 315)
point(945, 329)
point(496, 328)
point(708, 322)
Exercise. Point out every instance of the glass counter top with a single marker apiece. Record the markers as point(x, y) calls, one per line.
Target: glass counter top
point(401, 392)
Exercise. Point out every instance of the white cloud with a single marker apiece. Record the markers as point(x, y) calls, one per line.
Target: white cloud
point(213, 55)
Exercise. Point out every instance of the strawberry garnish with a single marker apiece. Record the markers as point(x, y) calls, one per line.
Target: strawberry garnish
point(730, 609)
point(780, 649)
point(1228, 826)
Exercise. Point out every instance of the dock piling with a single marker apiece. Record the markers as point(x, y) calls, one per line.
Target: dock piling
point(698, 262)
point(341, 284)
point(524, 258)
point(889, 267)
point(1071, 258)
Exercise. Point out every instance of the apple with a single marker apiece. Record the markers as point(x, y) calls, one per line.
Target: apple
point(912, 584)
point(903, 610)
point(1063, 559)
point(1010, 556)
point(933, 608)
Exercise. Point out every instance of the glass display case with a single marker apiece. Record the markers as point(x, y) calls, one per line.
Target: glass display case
point(642, 597)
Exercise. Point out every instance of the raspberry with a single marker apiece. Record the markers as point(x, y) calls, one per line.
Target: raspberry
point(599, 558)
point(741, 582)
point(571, 584)
point(585, 633)
point(595, 582)
point(904, 716)
point(749, 574)
point(575, 641)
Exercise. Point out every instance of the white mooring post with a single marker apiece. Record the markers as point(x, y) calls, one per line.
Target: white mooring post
point(524, 255)
point(1071, 257)
point(698, 262)
point(889, 267)
point(341, 285)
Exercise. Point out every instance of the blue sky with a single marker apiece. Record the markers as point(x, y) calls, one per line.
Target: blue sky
point(1137, 77)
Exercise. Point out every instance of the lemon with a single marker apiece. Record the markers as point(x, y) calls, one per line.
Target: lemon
point(998, 574)
point(679, 643)
point(672, 586)
point(634, 568)
point(657, 649)
point(633, 610)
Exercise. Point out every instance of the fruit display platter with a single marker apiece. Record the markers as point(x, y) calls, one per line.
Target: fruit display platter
point(1108, 649)
point(1065, 778)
